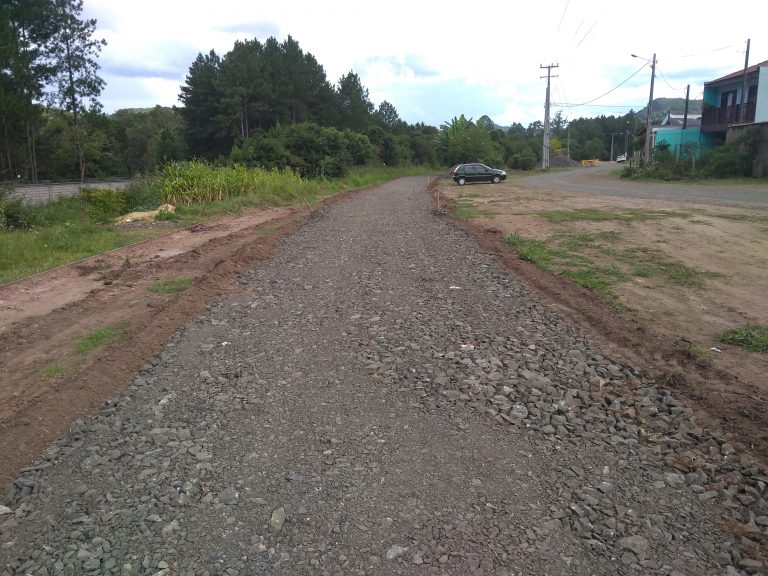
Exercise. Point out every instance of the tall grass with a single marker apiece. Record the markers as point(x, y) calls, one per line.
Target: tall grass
point(186, 183)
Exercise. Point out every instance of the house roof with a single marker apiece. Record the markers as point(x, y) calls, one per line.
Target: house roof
point(734, 75)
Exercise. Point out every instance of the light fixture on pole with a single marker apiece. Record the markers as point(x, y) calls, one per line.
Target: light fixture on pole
point(650, 107)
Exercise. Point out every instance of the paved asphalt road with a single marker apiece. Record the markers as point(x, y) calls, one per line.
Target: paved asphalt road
point(601, 180)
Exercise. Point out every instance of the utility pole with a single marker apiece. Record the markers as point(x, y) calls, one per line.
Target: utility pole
point(685, 119)
point(743, 110)
point(648, 133)
point(545, 151)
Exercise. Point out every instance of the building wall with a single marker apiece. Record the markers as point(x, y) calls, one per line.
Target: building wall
point(761, 108)
point(44, 193)
point(678, 138)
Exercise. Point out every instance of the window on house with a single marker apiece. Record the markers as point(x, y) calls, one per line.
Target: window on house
point(728, 99)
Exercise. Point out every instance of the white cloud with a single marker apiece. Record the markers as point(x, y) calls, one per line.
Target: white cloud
point(436, 60)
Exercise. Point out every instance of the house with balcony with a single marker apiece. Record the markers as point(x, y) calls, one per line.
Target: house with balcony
point(725, 111)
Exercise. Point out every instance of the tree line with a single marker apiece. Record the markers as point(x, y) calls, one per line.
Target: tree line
point(267, 104)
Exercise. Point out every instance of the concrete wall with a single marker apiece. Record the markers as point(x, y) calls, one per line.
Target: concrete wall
point(761, 106)
point(44, 193)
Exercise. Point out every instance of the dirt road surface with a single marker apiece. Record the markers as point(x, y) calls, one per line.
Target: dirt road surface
point(383, 398)
point(599, 180)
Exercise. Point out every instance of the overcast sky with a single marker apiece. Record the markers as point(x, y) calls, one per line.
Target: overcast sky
point(436, 60)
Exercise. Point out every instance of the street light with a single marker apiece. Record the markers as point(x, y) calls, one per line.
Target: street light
point(650, 106)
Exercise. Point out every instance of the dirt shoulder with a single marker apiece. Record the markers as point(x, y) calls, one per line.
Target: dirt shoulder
point(670, 322)
point(46, 384)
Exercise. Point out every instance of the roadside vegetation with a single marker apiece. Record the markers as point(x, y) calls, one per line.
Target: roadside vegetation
point(731, 162)
point(102, 336)
point(753, 337)
point(171, 286)
point(601, 260)
point(37, 238)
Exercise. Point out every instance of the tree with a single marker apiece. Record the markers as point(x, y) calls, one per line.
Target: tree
point(26, 29)
point(74, 51)
point(355, 108)
point(201, 98)
point(461, 140)
point(387, 116)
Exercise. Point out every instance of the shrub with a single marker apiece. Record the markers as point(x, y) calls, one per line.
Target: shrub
point(143, 195)
point(733, 158)
point(104, 204)
point(15, 215)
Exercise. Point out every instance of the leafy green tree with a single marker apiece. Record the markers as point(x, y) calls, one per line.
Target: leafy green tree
point(461, 140)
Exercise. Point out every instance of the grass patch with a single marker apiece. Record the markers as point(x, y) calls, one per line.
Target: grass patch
point(52, 371)
point(171, 286)
point(534, 251)
point(595, 215)
point(753, 337)
point(599, 262)
point(598, 278)
point(466, 209)
point(27, 252)
point(106, 335)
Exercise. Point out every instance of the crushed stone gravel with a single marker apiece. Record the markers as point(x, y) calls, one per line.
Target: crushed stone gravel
point(383, 399)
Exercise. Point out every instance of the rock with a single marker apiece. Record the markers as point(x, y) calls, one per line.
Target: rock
point(228, 496)
point(636, 544)
point(395, 551)
point(5, 510)
point(277, 520)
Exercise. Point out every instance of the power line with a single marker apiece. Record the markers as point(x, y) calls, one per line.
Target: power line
point(566, 105)
point(611, 90)
point(563, 15)
point(667, 83)
point(588, 33)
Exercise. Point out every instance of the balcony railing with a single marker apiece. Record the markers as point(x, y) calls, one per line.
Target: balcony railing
point(718, 119)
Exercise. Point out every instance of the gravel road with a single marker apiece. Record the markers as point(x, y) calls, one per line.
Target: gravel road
point(599, 180)
point(383, 399)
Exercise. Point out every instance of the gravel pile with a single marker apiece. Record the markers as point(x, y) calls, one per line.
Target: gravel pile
point(382, 399)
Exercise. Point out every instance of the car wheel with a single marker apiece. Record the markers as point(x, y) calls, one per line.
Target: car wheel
point(496, 179)
point(461, 181)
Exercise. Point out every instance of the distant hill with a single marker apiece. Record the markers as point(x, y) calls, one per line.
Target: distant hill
point(677, 105)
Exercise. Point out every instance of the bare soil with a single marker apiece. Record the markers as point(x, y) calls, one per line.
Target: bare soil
point(670, 329)
point(45, 384)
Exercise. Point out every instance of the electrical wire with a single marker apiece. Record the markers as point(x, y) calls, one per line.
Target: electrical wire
point(563, 14)
point(609, 91)
point(588, 33)
point(667, 83)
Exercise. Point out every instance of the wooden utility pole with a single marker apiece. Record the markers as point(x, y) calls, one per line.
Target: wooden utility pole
point(743, 108)
point(545, 151)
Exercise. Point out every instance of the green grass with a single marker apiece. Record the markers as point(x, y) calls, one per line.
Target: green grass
point(753, 337)
point(171, 286)
point(534, 251)
point(598, 261)
point(595, 215)
point(52, 371)
point(27, 252)
point(466, 209)
point(55, 234)
point(102, 336)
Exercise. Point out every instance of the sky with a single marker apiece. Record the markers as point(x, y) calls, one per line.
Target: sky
point(437, 60)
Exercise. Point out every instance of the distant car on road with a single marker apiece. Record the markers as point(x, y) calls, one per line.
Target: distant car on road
point(621, 158)
point(476, 172)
